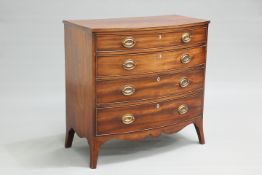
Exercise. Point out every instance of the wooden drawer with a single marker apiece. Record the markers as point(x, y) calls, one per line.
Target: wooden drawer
point(155, 39)
point(131, 64)
point(153, 86)
point(146, 116)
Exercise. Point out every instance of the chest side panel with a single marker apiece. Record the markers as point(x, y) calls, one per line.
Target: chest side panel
point(80, 80)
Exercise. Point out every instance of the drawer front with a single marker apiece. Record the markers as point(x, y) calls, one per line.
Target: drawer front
point(131, 64)
point(123, 41)
point(146, 116)
point(154, 86)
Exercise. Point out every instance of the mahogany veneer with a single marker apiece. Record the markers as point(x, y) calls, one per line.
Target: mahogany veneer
point(130, 78)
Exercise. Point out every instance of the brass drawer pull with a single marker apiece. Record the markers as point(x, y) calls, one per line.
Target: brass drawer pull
point(186, 37)
point(129, 64)
point(186, 58)
point(128, 119)
point(128, 42)
point(182, 109)
point(128, 90)
point(184, 82)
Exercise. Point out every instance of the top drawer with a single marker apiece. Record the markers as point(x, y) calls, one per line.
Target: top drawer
point(123, 41)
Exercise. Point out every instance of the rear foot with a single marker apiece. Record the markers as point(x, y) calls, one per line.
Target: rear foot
point(69, 138)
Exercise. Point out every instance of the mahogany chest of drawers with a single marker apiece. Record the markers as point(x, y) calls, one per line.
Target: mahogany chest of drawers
point(131, 78)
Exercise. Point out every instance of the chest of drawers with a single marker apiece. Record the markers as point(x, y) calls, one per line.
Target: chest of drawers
point(132, 78)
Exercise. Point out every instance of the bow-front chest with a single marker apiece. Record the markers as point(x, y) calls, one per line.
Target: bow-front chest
point(131, 78)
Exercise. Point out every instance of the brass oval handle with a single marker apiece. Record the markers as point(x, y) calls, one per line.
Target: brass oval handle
point(129, 64)
point(128, 119)
point(182, 109)
point(184, 82)
point(128, 42)
point(186, 58)
point(128, 90)
point(186, 37)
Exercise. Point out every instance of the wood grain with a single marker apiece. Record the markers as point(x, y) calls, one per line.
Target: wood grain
point(152, 62)
point(147, 115)
point(137, 23)
point(80, 82)
point(149, 40)
point(151, 132)
point(110, 91)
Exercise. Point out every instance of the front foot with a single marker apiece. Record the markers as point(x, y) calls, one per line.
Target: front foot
point(94, 148)
point(198, 123)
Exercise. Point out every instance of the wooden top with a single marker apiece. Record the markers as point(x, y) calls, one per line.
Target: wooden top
point(144, 23)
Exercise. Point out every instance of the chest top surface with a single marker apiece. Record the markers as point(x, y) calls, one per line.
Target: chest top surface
point(134, 23)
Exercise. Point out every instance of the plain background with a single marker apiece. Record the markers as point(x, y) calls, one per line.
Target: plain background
point(32, 92)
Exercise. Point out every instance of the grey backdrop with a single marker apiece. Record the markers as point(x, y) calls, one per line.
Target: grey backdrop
point(32, 100)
